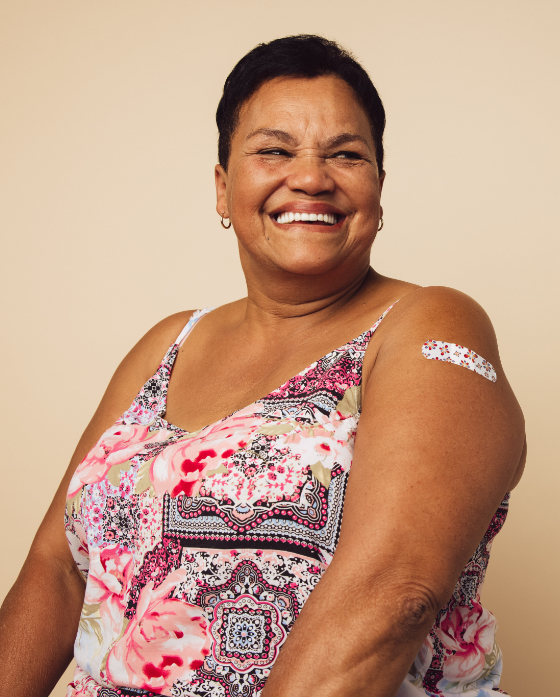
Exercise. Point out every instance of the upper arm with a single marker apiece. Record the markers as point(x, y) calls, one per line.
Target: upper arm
point(436, 449)
point(137, 366)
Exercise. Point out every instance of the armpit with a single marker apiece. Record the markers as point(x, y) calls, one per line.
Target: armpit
point(460, 355)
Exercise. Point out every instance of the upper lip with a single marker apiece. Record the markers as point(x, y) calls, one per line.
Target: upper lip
point(307, 207)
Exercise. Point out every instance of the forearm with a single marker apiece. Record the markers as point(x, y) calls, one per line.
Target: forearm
point(38, 624)
point(353, 639)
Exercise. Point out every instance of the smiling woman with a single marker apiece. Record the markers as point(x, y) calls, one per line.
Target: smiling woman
point(282, 495)
point(317, 159)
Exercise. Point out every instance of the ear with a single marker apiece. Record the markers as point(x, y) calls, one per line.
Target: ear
point(221, 178)
point(382, 180)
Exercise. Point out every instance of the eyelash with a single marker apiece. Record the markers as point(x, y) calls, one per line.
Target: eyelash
point(273, 151)
point(349, 154)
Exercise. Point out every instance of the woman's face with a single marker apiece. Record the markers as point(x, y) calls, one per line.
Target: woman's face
point(302, 187)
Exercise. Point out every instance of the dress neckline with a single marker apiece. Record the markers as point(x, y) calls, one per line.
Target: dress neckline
point(171, 355)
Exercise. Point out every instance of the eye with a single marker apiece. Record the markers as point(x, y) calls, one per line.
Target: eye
point(347, 155)
point(275, 151)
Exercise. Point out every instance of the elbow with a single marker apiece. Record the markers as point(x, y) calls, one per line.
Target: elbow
point(414, 609)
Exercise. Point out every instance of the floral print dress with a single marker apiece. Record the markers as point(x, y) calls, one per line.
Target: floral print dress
point(199, 549)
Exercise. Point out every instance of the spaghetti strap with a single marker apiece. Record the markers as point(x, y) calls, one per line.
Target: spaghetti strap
point(198, 314)
point(372, 330)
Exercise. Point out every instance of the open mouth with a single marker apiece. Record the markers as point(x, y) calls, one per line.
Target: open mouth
point(318, 218)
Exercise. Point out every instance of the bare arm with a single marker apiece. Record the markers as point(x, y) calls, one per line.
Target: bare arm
point(437, 448)
point(39, 617)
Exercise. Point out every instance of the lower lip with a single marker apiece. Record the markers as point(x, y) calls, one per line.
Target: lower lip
point(309, 227)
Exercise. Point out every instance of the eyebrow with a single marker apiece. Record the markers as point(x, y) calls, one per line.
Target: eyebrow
point(345, 138)
point(333, 142)
point(273, 133)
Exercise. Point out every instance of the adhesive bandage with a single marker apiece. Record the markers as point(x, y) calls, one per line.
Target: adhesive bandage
point(460, 355)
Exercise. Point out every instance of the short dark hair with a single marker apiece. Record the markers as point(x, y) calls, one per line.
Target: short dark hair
point(303, 55)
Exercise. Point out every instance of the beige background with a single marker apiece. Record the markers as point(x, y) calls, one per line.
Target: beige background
point(108, 142)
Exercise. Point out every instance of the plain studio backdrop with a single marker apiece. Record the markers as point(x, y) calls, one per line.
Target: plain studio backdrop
point(108, 144)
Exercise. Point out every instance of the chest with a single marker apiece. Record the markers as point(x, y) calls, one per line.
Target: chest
point(211, 380)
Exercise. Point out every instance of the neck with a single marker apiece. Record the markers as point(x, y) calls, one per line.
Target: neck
point(303, 299)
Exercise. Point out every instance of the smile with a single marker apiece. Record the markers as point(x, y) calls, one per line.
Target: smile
point(286, 218)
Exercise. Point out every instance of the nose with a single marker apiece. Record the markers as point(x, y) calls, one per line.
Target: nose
point(310, 174)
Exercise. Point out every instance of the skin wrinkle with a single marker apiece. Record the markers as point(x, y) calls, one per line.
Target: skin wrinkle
point(330, 143)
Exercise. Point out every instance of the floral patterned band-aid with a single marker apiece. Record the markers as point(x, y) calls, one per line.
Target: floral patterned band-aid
point(460, 355)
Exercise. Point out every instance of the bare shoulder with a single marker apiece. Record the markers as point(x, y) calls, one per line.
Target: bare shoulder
point(146, 355)
point(143, 360)
point(438, 313)
point(140, 363)
point(432, 317)
point(442, 304)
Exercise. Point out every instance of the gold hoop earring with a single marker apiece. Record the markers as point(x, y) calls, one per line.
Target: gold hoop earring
point(226, 227)
point(381, 226)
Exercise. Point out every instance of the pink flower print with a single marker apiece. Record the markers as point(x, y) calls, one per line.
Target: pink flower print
point(472, 355)
point(330, 442)
point(431, 345)
point(110, 570)
point(443, 349)
point(181, 467)
point(165, 641)
point(117, 445)
point(467, 634)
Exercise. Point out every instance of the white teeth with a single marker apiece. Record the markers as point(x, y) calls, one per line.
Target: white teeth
point(289, 217)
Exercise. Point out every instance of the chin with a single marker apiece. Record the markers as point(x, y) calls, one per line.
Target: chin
point(308, 263)
point(310, 258)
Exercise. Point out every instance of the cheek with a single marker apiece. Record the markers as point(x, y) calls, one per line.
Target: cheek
point(251, 186)
point(362, 189)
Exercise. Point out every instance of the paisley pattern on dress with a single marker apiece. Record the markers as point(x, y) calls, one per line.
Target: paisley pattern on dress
point(200, 549)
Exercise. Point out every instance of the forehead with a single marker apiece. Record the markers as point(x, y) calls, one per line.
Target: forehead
point(326, 105)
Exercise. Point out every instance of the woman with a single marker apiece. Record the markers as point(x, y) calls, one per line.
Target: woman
point(201, 514)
